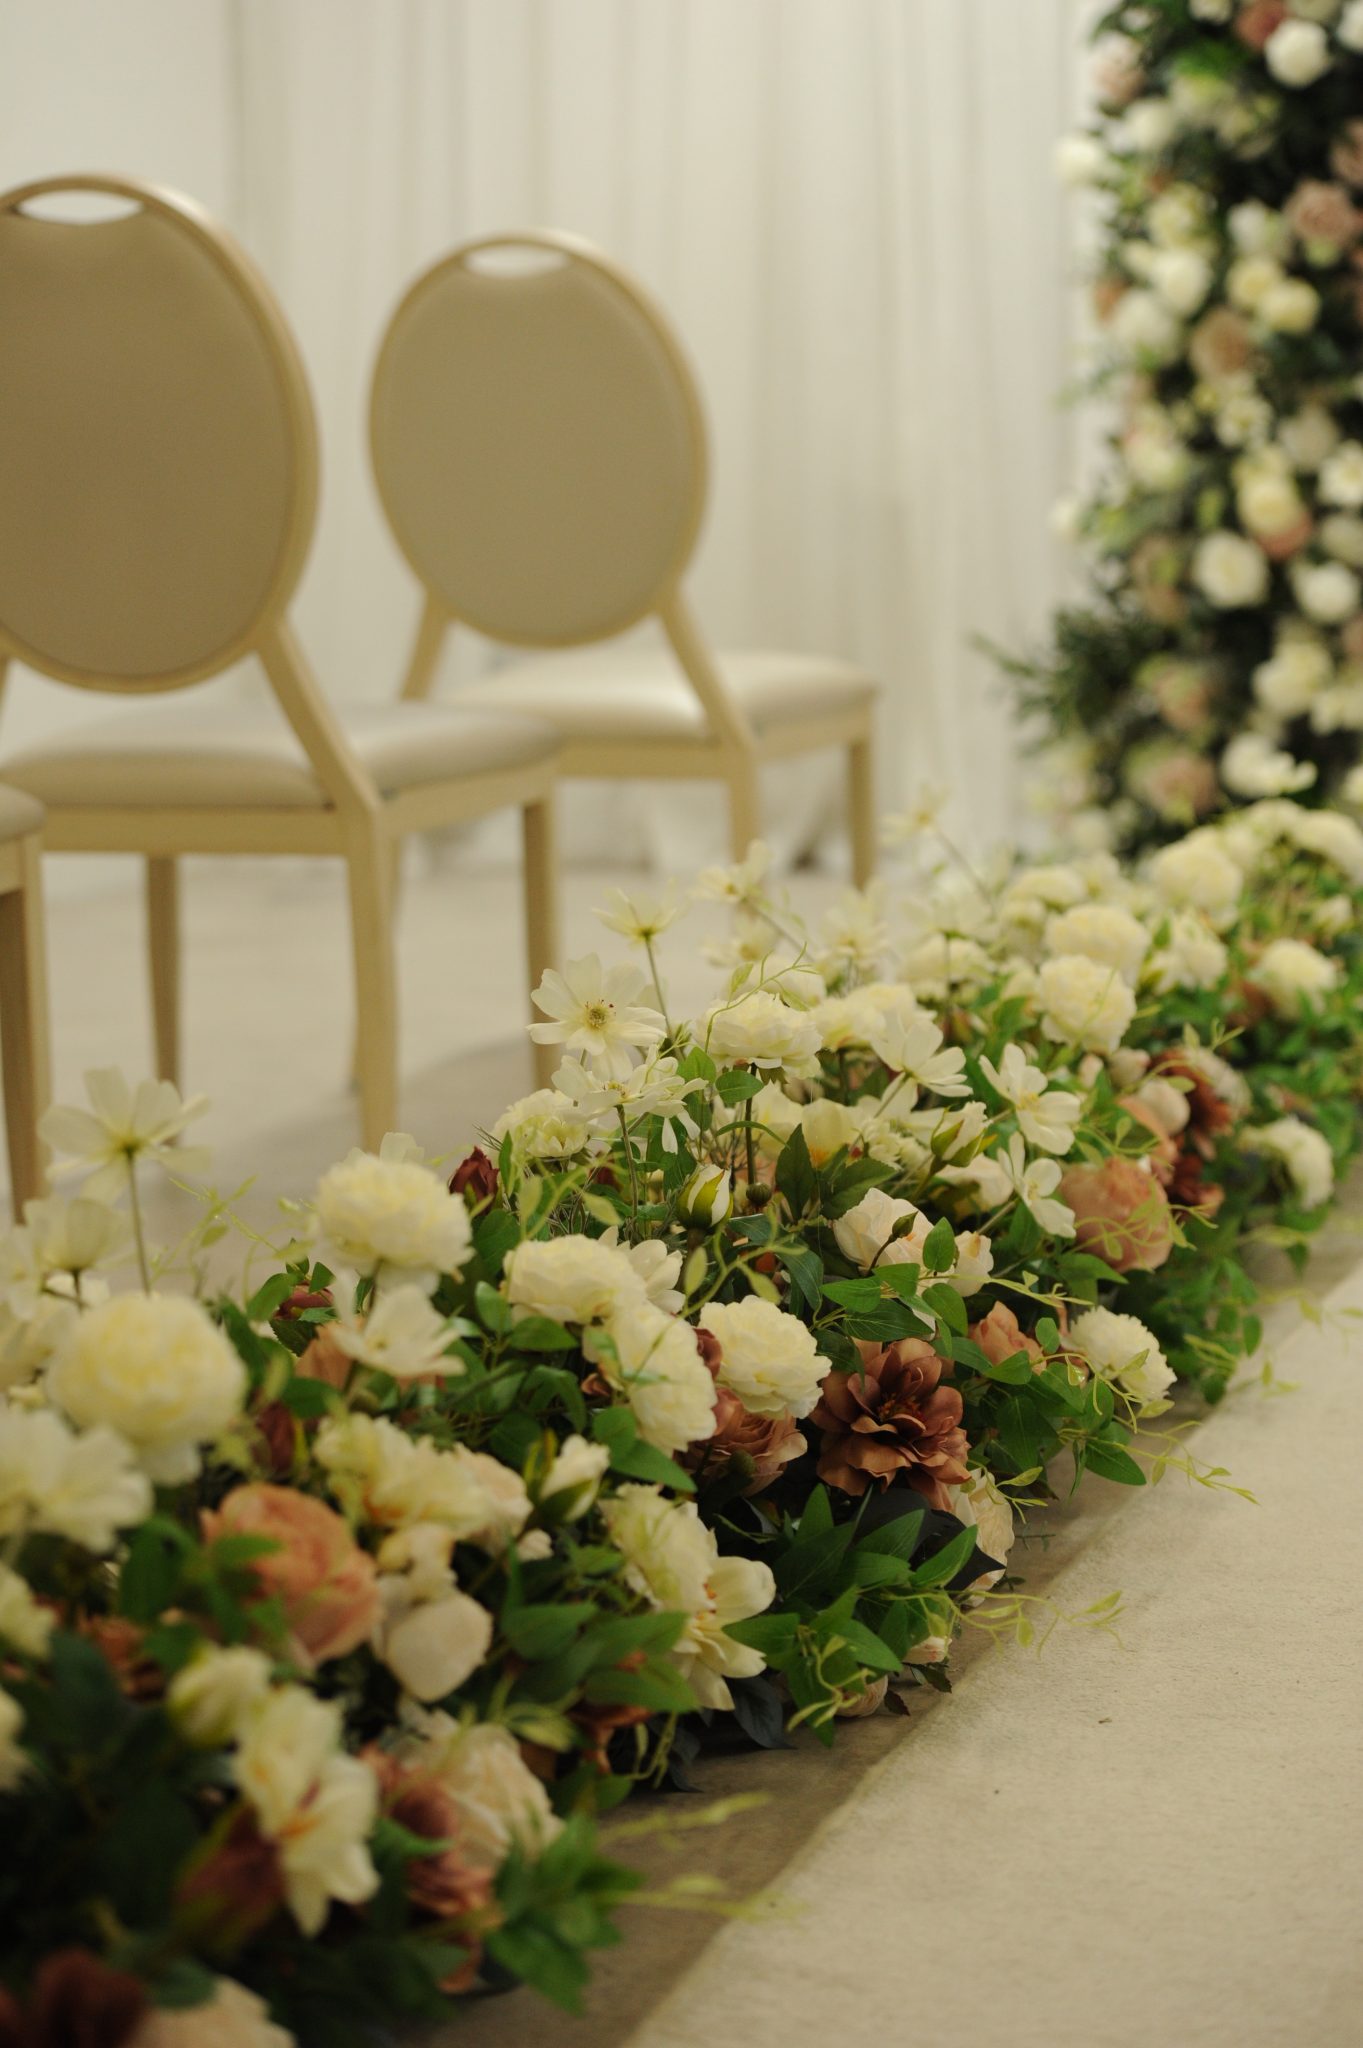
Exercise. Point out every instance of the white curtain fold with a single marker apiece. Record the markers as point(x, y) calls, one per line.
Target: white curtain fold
point(846, 206)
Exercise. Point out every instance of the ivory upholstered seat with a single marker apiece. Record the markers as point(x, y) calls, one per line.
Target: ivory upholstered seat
point(23, 991)
point(158, 491)
point(539, 447)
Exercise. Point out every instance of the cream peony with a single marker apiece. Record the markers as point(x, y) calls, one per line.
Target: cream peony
point(1303, 1151)
point(158, 1370)
point(1192, 956)
point(1196, 873)
point(1252, 766)
point(431, 1646)
point(384, 1475)
point(1084, 1004)
point(24, 1625)
point(1289, 971)
point(1328, 592)
point(1120, 1349)
point(1291, 306)
point(393, 1219)
point(1230, 571)
point(232, 2017)
point(571, 1279)
point(545, 1125)
point(652, 1359)
point(769, 1358)
point(1298, 53)
point(672, 1559)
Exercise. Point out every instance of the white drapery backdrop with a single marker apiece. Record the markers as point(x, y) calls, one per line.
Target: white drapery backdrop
point(846, 205)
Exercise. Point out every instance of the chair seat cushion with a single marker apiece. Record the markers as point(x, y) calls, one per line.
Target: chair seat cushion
point(185, 755)
point(639, 693)
point(19, 815)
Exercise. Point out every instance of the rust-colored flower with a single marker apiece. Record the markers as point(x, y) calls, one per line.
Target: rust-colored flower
point(1164, 1152)
point(293, 1305)
point(598, 1722)
point(276, 1439)
point(764, 1442)
point(1121, 1214)
point(76, 2001)
point(446, 1884)
point(1321, 212)
point(139, 1677)
point(1000, 1335)
point(1346, 154)
point(1220, 345)
point(326, 1585)
point(476, 1175)
point(1210, 1115)
point(232, 1889)
point(1255, 24)
point(893, 1421)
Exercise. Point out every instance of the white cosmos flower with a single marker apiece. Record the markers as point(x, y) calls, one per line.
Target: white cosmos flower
point(739, 885)
point(923, 815)
point(595, 1011)
point(75, 1236)
point(402, 1335)
point(909, 1042)
point(85, 1487)
point(1046, 1116)
point(853, 935)
point(640, 916)
point(121, 1126)
point(653, 1088)
point(1034, 1182)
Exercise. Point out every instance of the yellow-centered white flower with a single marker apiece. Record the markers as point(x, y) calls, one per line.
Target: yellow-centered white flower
point(594, 1011)
point(121, 1126)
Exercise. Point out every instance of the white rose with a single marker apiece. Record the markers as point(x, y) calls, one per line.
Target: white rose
point(1084, 1004)
point(157, 1369)
point(1252, 766)
point(1212, 10)
point(1143, 326)
point(14, 1760)
point(652, 1359)
point(974, 1263)
point(316, 1804)
point(571, 1279)
point(502, 1805)
point(1294, 675)
point(84, 1487)
point(1192, 956)
point(1101, 932)
point(1178, 216)
point(1258, 230)
point(1149, 125)
point(1308, 437)
point(759, 1030)
point(1334, 838)
point(1230, 570)
point(866, 1233)
point(1327, 591)
point(1154, 454)
point(981, 1507)
point(1269, 505)
point(578, 1469)
point(1341, 477)
point(1341, 534)
point(1196, 873)
point(24, 1625)
point(545, 1125)
point(1290, 307)
point(232, 2017)
point(1079, 159)
point(1305, 1154)
point(31, 1340)
point(432, 1646)
point(1250, 279)
point(1120, 1349)
point(1298, 53)
point(770, 1359)
point(1290, 970)
point(395, 1480)
point(672, 1559)
point(1182, 277)
point(393, 1219)
point(1350, 28)
point(210, 1697)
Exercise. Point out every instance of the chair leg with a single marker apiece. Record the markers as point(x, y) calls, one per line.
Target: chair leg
point(861, 810)
point(370, 871)
point(541, 915)
point(163, 948)
point(23, 1026)
point(394, 856)
point(745, 808)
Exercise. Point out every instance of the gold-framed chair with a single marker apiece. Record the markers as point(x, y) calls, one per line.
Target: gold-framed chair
point(158, 491)
point(23, 993)
point(539, 447)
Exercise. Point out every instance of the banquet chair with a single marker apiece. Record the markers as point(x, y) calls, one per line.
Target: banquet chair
point(539, 448)
point(157, 498)
point(23, 993)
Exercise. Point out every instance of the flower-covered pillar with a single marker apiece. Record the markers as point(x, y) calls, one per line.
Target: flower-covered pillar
point(1219, 657)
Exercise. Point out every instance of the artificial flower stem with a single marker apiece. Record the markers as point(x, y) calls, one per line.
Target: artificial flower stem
point(633, 1175)
point(139, 1238)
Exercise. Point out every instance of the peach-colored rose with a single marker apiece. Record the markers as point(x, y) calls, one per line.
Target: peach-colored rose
point(1108, 293)
point(446, 1885)
point(1164, 1152)
point(325, 1360)
point(1346, 154)
point(1280, 546)
point(1255, 24)
point(1220, 345)
point(1157, 565)
point(1176, 784)
point(1116, 72)
point(767, 1441)
point(1000, 1335)
point(326, 1584)
point(1182, 694)
point(1321, 212)
point(74, 2001)
point(1121, 1214)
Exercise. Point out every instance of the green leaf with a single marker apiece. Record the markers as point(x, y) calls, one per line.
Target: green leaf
point(774, 1635)
point(795, 1174)
point(617, 1428)
point(493, 1308)
point(493, 1237)
point(805, 1268)
point(737, 1084)
point(541, 1333)
point(1110, 1461)
point(939, 1247)
point(897, 1538)
point(545, 1631)
point(151, 1572)
point(270, 1298)
point(940, 1569)
point(945, 1302)
point(868, 1647)
point(1014, 1371)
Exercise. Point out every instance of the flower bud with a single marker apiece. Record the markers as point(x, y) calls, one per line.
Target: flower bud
point(707, 1197)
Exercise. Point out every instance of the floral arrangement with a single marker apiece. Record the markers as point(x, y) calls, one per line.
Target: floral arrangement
point(339, 1608)
point(1221, 657)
